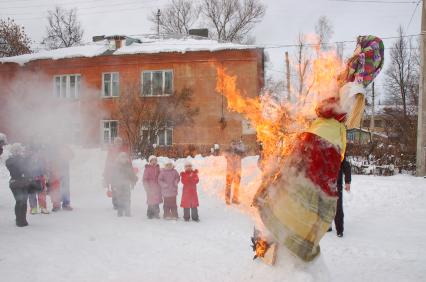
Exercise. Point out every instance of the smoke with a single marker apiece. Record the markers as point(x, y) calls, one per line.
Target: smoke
point(31, 112)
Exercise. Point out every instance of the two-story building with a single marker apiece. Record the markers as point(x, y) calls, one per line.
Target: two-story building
point(92, 78)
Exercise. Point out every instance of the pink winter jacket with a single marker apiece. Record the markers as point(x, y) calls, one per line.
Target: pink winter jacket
point(150, 183)
point(169, 180)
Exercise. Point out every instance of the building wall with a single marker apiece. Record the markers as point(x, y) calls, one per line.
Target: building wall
point(194, 70)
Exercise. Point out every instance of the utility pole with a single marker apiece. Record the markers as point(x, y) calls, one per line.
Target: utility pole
point(372, 113)
point(287, 63)
point(158, 22)
point(421, 128)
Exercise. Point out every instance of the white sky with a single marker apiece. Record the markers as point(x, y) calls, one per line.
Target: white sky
point(284, 19)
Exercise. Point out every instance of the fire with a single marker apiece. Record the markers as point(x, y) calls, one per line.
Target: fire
point(278, 123)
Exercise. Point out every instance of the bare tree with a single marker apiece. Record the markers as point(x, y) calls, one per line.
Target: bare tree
point(178, 17)
point(63, 30)
point(232, 20)
point(324, 31)
point(402, 75)
point(137, 114)
point(303, 67)
point(13, 39)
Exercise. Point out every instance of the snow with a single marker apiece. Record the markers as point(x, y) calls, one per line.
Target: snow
point(89, 50)
point(384, 236)
point(150, 45)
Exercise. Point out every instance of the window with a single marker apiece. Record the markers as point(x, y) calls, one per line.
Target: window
point(164, 136)
point(111, 84)
point(157, 83)
point(109, 131)
point(366, 123)
point(67, 86)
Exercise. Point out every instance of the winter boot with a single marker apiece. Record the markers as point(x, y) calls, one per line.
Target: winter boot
point(119, 212)
point(67, 208)
point(44, 211)
point(56, 209)
point(34, 211)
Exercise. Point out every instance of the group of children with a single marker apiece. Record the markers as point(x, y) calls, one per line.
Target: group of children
point(161, 186)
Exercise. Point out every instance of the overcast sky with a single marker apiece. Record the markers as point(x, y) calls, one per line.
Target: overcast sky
point(284, 19)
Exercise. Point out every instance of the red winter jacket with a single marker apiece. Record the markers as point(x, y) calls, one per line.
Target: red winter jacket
point(189, 195)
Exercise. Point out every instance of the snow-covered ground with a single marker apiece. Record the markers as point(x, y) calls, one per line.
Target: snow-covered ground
point(384, 237)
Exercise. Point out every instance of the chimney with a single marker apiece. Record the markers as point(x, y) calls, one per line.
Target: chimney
point(97, 38)
point(117, 39)
point(202, 32)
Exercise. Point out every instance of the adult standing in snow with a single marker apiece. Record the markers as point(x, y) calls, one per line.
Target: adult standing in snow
point(169, 180)
point(345, 169)
point(19, 182)
point(233, 171)
point(37, 170)
point(64, 158)
point(117, 148)
point(152, 188)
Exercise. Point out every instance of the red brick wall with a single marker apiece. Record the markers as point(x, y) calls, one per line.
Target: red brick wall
point(194, 70)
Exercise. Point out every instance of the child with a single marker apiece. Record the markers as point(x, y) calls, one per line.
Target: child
point(123, 178)
point(169, 180)
point(152, 188)
point(189, 201)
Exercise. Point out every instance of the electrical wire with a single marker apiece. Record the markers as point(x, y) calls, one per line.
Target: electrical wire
point(414, 12)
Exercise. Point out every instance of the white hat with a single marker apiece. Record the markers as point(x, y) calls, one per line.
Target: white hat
point(188, 163)
point(152, 157)
point(169, 161)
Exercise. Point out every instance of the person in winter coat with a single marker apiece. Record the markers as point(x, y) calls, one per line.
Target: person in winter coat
point(233, 171)
point(123, 180)
point(64, 158)
point(37, 170)
point(19, 182)
point(189, 201)
point(113, 152)
point(152, 188)
point(169, 180)
point(345, 169)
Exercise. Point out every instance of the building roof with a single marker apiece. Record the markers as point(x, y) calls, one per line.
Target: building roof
point(140, 44)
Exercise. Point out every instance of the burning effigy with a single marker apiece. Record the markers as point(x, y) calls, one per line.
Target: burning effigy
point(297, 198)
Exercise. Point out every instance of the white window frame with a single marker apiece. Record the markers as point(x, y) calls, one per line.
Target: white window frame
point(111, 139)
point(68, 86)
point(157, 137)
point(110, 85)
point(164, 82)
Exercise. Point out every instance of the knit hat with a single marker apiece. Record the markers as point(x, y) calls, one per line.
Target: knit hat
point(188, 163)
point(152, 157)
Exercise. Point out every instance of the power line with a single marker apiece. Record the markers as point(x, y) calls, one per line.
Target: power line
point(273, 46)
point(106, 3)
point(92, 7)
point(414, 12)
point(376, 1)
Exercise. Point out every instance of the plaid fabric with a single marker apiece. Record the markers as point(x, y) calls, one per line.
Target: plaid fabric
point(300, 204)
point(365, 66)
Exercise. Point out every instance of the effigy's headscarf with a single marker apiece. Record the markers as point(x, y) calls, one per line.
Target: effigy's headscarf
point(364, 66)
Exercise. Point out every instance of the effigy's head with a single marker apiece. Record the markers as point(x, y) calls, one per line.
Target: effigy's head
point(361, 69)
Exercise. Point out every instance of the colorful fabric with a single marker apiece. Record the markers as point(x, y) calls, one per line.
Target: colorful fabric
point(300, 205)
point(366, 65)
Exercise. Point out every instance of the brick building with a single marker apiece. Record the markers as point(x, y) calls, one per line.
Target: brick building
point(89, 80)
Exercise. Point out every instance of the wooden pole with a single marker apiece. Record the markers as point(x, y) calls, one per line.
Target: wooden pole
point(372, 113)
point(421, 128)
point(287, 63)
